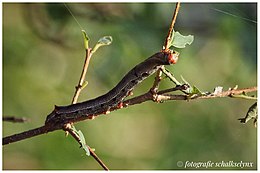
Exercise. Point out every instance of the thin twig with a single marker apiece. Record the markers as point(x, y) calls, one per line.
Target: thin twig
point(166, 97)
point(178, 87)
point(14, 119)
point(92, 153)
point(165, 48)
point(82, 76)
point(175, 14)
point(170, 75)
point(229, 93)
point(156, 82)
point(79, 88)
point(244, 97)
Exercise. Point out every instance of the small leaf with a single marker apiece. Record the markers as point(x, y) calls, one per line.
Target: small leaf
point(251, 114)
point(180, 41)
point(104, 41)
point(83, 143)
point(82, 140)
point(192, 91)
point(86, 39)
point(196, 90)
point(85, 83)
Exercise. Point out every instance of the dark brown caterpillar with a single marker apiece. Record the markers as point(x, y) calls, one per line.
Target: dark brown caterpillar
point(101, 104)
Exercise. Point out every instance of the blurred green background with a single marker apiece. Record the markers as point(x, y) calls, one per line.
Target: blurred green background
point(43, 54)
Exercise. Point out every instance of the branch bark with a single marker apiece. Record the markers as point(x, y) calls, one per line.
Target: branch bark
point(79, 87)
point(174, 17)
point(14, 119)
point(149, 96)
point(166, 97)
point(26, 134)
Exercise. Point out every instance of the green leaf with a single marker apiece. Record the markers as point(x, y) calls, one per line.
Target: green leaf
point(85, 83)
point(251, 114)
point(82, 140)
point(180, 41)
point(83, 143)
point(86, 39)
point(104, 41)
point(192, 91)
point(196, 90)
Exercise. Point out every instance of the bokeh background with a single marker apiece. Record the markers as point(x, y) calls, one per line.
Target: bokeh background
point(43, 54)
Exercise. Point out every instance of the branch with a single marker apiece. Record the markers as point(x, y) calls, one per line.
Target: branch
point(79, 88)
point(92, 153)
point(27, 134)
point(174, 17)
point(161, 96)
point(81, 85)
point(229, 93)
point(149, 96)
point(14, 119)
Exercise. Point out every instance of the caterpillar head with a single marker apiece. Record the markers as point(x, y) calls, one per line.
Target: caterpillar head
point(172, 56)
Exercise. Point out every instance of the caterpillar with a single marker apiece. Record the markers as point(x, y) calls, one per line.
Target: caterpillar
point(102, 104)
